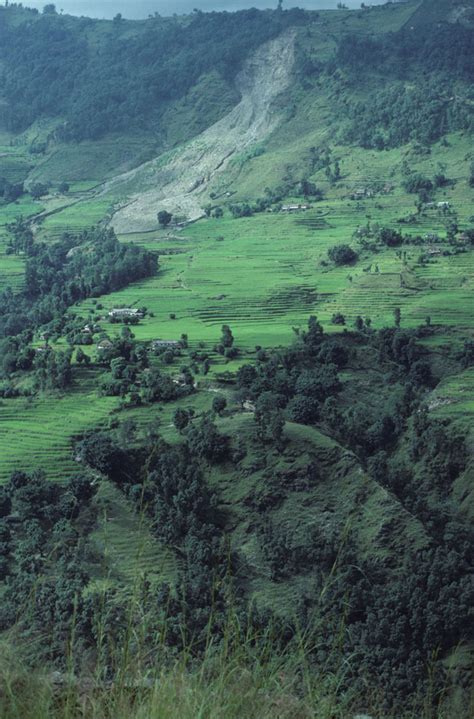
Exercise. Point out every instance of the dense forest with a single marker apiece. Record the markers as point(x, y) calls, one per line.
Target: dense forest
point(417, 105)
point(128, 81)
point(58, 275)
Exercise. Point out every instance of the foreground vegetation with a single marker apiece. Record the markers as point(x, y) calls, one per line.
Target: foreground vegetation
point(229, 684)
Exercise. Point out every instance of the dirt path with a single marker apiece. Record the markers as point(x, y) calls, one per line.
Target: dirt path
point(180, 184)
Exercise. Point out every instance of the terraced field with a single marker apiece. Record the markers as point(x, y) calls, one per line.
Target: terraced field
point(38, 433)
point(267, 273)
point(126, 543)
point(81, 213)
point(11, 268)
point(454, 398)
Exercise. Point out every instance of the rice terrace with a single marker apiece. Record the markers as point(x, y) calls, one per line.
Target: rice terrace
point(237, 362)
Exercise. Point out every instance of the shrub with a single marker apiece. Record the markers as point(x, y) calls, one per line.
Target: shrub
point(342, 255)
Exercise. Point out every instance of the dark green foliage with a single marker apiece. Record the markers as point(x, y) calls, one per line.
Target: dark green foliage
point(338, 319)
point(37, 190)
point(389, 614)
point(100, 452)
point(312, 338)
point(219, 403)
point(467, 355)
point(342, 255)
point(82, 488)
point(413, 104)
point(227, 338)
point(397, 316)
point(52, 369)
point(441, 449)
point(269, 418)
point(45, 533)
point(157, 386)
point(181, 502)
point(389, 237)
point(420, 374)
point(56, 67)
point(243, 210)
point(308, 189)
point(21, 237)
point(304, 409)
point(181, 418)
point(169, 485)
point(58, 275)
point(318, 383)
point(417, 183)
point(9, 192)
point(391, 630)
point(164, 218)
point(99, 265)
point(16, 354)
point(287, 557)
point(206, 442)
point(335, 353)
point(359, 323)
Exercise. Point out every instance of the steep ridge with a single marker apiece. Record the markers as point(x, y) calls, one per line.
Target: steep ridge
point(179, 182)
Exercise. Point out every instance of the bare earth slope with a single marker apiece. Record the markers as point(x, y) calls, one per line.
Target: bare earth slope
point(179, 183)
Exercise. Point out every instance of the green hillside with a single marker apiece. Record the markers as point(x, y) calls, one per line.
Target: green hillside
point(236, 361)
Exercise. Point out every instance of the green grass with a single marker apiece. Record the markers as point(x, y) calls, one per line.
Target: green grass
point(81, 162)
point(14, 164)
point(454, 398)
point(233, 681)
point(75, 218)
point(25, 207)
point(11, 269)
point(38, 433)
point(263, 275)
point(126, 544)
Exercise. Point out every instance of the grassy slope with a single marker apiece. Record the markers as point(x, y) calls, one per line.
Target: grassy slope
point(38, 432)
point(347, 504)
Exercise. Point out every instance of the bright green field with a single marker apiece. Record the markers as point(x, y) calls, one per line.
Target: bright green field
point(454, 397)
point(11, 269)
point(263, 275)
point(74, 218)
point(38, 433)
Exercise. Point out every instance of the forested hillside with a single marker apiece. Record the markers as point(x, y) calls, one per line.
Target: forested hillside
point(99, 78)
point(237, 363)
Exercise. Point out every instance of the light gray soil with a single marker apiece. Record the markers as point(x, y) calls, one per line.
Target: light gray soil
point(179, 183)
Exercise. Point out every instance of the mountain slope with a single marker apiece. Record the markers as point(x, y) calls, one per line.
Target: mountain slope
point(179, 183)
